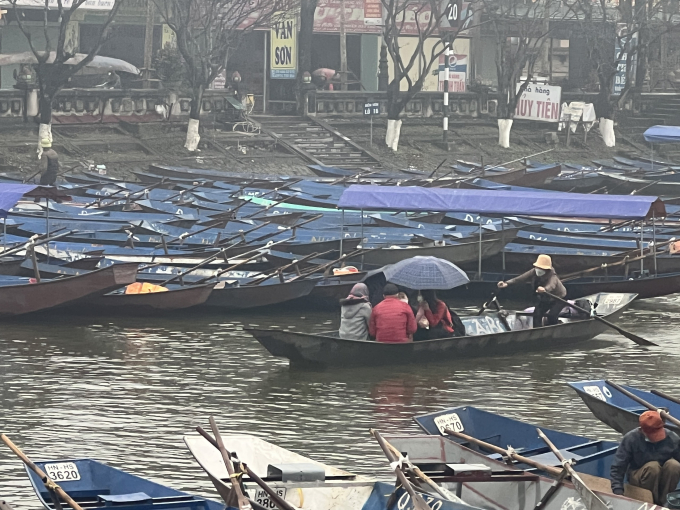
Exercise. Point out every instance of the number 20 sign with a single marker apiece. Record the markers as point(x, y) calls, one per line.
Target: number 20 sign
point(453, 10)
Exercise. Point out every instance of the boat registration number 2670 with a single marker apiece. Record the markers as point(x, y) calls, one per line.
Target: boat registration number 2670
point(62, 471)
point(448, 422)
point(263, 499)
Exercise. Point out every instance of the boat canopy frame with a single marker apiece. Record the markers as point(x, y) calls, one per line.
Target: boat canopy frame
point(502, 203)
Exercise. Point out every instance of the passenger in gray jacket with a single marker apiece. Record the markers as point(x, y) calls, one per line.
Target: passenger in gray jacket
point(355, 314)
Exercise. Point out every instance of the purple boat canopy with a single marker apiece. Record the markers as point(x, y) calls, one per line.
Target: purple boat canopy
point(662, 134)
point(10, 194)
point(501, 202)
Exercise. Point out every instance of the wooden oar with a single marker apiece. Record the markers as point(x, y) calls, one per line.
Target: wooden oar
point(243, 502)
point(637, 339)
point(591, 500)
point(416, 470)
point(49, 483)
point(666, 396)
point(37, 242)
point(602, 484)
point(233, 266)
point(278, 500)
point(417, 500)
point(664, 414)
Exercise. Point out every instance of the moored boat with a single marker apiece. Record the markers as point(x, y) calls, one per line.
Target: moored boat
point(614, 408)
point(594, 456)
point(23, 298)
point(93, 484)
point(489, 335)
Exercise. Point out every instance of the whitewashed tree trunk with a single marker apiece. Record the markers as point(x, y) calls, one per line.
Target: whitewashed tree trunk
point(392, 134)
point(607, 132)
point(44, 133)
point(504, 127)
point(192, 135)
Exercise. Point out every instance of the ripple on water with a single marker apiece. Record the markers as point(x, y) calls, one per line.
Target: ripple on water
point(125, 391)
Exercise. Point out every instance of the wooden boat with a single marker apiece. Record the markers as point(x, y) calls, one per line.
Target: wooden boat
point(253, 296)
point(175, 299)
point(467, 252)
point(645, 288)
point(327, 292)
point(593, 457)
point(19, 299)
point(519, 257)
point(496, 485)
point(94, 484)
point(617, 410)
point(487, 335)
point(301, 481)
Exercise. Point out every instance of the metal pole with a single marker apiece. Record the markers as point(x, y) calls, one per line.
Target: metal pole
point(652, 145)
point(503, 241)
point(371, 140)
point(479, 262)
point(654, 241)
point(4, 234)
point(47, 220)
point(447, 63)
point(342, 231)
point(264, 74)
point(642, 246)
point(362, 234)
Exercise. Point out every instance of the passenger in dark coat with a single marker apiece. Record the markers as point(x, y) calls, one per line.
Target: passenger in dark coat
point(49, 164)
point(543, 279)
point(650, 456)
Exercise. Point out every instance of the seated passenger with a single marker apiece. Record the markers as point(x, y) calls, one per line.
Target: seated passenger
point(392, 320)
point(355, 314)
point(435, 320)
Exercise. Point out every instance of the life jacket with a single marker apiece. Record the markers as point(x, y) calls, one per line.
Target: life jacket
point(144, 288)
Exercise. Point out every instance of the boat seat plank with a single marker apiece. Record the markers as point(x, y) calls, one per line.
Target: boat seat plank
point(133, 497)
point(549, 458)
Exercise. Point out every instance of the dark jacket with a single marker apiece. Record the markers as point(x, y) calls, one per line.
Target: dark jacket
point(549, 281)
point(635, 451)
point(354, 317)
point(49, 163)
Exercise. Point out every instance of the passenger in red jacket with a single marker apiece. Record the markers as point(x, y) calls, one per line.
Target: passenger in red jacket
point(392, 320)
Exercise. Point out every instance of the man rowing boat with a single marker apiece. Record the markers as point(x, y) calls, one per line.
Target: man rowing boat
point(544, 280)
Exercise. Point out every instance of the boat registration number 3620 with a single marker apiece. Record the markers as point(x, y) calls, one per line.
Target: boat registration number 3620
point(448, 422)
point(62, 471)
point(263, 499)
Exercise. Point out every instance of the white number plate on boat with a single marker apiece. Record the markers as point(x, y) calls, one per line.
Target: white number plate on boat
point(62, 471)
point(263, 499)
point(613, 299)
point(448, 421)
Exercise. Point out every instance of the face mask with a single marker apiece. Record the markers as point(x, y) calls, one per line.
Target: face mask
point(540, 272)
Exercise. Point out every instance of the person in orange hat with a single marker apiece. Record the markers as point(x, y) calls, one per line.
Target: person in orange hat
point(543, 278)
point(650, 456)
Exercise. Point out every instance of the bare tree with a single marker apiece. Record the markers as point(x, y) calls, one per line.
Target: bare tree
point(521, 30)
point(618, 37)
point(208, 32)
point(307, 13)
point(411, 69)
point(57, 61)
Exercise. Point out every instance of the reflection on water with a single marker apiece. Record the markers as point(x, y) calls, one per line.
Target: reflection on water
point(125, 390)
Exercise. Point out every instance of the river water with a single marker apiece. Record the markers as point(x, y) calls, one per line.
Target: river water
point(124, 391)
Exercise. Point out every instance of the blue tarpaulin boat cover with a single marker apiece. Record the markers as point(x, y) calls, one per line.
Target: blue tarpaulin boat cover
point(501, 202)
point(663, 134)
point(10, 194)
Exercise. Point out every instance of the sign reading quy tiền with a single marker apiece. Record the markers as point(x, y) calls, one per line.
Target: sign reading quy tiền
point(283, 47)
point(539, 102)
